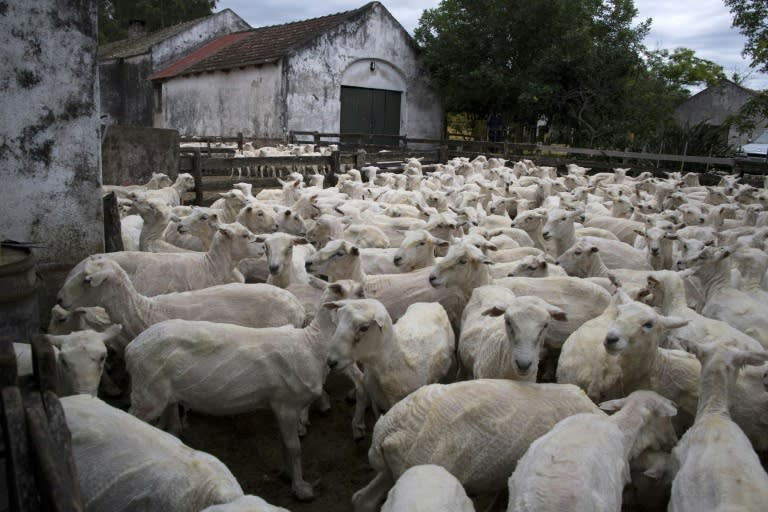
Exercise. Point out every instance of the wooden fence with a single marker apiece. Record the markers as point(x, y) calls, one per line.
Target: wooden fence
point(215, 169)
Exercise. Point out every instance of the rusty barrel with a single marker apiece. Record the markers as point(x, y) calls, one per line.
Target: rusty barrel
point(19, 311)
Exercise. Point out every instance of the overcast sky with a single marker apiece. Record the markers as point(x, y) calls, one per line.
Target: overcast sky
point(703, 25)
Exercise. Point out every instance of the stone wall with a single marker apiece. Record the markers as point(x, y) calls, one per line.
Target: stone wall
point(49, 138)
point(130, 154)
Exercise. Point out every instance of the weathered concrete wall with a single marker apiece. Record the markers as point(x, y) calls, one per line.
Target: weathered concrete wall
point(130, 154)
point(49, 138)
point(172, 49)
point(713, 106)
point(127, 94)
point(342, 56)
point(220, 103)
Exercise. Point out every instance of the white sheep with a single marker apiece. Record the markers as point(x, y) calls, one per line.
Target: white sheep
point(123, 464)
point(157, 273)
point(398, 359)
point(246, 503)
point(80, 358)
point(427, 488)
point(104, 283)
point(477, 430)
point(502, 335)
point(199, 364)
point(171, 195)
point(156, 181)
point(582, 464)
point(417, 250)
point(714, 465)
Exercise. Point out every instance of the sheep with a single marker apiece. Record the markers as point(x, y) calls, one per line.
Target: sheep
point(721, 300)
point(199, 363)
point(156, 216)
point(559, 228)
point(659, 246)
point(342, 260)
point(417, 250)
point(130, 231)
point(202, 223)
point(246, 503)
point(123, 464)
point(156, 181)
point(104, 283)
point(289, 221)
point(158, 273)
point(326, 228)
point(476, 430)
point(427, 488)
point(170, 195)
point(714, 465)
point(398, 359)
point(465, 268)
point(80, 357)
point(502, 335)
point(79, 319)
point(258, 219)
point(583, 462)
point(529, 266)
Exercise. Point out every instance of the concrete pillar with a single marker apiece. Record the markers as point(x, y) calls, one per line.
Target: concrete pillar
point(50, 178)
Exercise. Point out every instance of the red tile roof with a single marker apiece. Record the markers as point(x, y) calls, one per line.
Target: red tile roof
point(258, 46)
point(179, 67)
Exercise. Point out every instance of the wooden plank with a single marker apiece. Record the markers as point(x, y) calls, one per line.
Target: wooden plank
point(62, 438)
point(332, 178)
point(8, 370)
point(55, 482)
point(44, 364)
point(22, 495)
point(214, 164)
point(113, 238)
point(197, 174)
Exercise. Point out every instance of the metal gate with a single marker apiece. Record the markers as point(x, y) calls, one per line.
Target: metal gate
point(370, 111)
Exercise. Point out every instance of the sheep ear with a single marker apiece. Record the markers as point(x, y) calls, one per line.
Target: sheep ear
point(96, 278)
point(672, 322)
point(333, 305)
point(260, 239)
point(440, 242)
point(558, 314)
point(494, 311)
point(613, 405)
point(112, 331)
point(664, 408)
point(300, 240)
point(656, 471)
point(225, 231)
point(638, 232)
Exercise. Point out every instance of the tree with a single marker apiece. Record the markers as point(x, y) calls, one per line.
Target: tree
point(681, 69)
point(114, 15)
point(750, 16)
point(567, 60)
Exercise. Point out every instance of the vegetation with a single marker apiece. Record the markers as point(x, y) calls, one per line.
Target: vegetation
point(579, 64)
point(114, 15)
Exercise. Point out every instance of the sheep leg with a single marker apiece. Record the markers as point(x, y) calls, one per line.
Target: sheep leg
point(361, 401)
point(171, 419)
point(370, 497)
point(148, 403)
point(288, 421)
point(303, 422)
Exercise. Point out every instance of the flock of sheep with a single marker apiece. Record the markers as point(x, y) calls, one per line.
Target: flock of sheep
point(582, 341)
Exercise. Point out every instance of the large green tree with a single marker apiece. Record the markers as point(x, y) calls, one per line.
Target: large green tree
point(567, 60)
point(114, 15)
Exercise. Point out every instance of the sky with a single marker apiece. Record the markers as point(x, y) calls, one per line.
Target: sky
point(702, 25)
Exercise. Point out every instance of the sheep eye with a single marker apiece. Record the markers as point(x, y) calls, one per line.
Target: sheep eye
point(648, 325)
point(463, 261)
point(577, 253)
point(563, 218)
point(245, 235)
point(204, 217)
point(363, 328)
point(260, 214)
point(422, 243)
point(61, 320)
point(340, 253)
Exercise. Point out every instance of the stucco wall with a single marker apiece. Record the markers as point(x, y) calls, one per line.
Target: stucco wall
point(713, 106)
point(342, 56)
point(127, 94)
point(224, 104)
point(168, 51)
point(130, 154)
point(49, 138)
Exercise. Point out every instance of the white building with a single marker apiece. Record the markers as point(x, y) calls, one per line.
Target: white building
point(353, 72)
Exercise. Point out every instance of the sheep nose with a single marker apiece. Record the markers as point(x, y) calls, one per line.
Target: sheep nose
point(273, 269)
point(307, 265)
point(432, 278)
point(59, 301)
point(524, 366)
point(398, 260)
point(611, 339)
point(655, 251)
point(332, 363)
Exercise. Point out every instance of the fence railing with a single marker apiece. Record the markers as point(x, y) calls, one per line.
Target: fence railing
point(264, 171)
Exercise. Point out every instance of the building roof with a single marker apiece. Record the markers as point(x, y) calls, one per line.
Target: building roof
point(257, 46)
point(137, 46)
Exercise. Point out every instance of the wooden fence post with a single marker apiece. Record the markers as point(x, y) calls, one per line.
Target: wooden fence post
point(240, 141)
point(360, 158)
point(113, 239)
point(197, 173)
point(332, 178)
point(316, 138)
point(442, 154)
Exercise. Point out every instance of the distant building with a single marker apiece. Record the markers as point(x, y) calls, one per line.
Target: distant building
point(713, 105)
point(126, 94)
point(357, 71)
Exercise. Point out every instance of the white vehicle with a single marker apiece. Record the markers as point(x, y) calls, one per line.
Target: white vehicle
point(758, 147)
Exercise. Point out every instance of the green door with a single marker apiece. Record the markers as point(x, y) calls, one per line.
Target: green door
point(370, 111)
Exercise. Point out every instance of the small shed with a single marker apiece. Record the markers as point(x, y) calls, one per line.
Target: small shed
point(357, 71)
point(126, 95)
point(714, 105)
